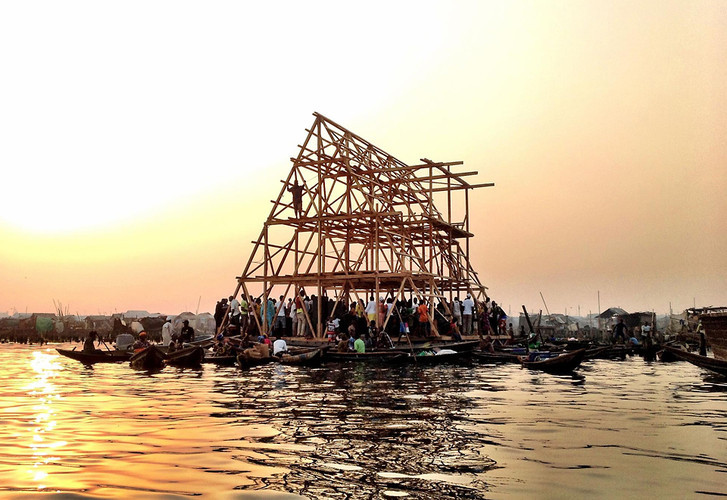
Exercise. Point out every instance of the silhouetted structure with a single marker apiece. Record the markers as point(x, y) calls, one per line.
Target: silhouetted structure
point(368, 225)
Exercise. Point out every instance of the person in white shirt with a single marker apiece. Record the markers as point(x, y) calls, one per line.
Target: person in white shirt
point(167, 332)
point(280, 316)
point(468, 306)
point(234, 311)
point(279, 346)
point(371, 310)
point(457, 311)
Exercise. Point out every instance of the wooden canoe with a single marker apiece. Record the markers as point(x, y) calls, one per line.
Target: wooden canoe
point(186, 357)
point(220, 360)
point(372, 356)
point(439, 359)
point(565, 363)
point(309, 357)
point(468, 345)
point(712, 364)
point(150, 359)
point(495, 357)
point(247, 361)
point(90, 358)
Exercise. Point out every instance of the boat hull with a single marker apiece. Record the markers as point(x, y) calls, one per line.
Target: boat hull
point(495, 357)
point(440, 359)
point(712, 364)
point(220, 360)
point(565, 363)
point(715, 329)
point(91, 358)
point(373, 356)
point(311, 357)
point(150, 359)
point(187, 357)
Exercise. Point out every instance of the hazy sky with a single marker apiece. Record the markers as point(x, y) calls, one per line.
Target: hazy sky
point(141, 142)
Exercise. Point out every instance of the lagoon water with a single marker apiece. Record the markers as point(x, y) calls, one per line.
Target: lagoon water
point(626, 429)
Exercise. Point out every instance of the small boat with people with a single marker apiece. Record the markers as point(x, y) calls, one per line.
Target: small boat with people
point(256, 355)
point(149, 359)
point(304, 357)
point(440, 356)
point(562, 363)
point(98, 356)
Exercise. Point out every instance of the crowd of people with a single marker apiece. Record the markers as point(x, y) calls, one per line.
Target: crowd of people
point(299, 316)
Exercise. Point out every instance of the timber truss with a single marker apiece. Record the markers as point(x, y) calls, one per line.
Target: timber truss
point(366, 224)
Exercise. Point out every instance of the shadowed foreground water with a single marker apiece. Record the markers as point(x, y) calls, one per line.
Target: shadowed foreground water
point(617, 429)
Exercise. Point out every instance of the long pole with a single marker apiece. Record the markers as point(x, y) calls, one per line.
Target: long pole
point(599, 313)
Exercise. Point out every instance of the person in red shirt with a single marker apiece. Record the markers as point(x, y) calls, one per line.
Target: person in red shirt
point(424, 318)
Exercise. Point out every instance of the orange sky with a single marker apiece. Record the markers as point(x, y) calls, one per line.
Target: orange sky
point(142, 142)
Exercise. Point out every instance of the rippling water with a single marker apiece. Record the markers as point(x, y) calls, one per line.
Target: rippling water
point(617, 429)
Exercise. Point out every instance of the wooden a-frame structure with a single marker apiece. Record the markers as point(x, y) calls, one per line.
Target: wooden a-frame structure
point(367, 225)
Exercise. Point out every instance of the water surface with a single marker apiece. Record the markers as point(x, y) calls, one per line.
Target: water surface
point(614, 430)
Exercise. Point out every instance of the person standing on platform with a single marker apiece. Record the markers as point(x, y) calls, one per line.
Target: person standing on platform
point(457, 312)
point(293, 318)
point(423, 314)
point(300, 313)
point(244, 314)
point(468, 307)
point(382, 311)
point(234, 311)
point(280, 317)
point(220, 310)
point(371, 310)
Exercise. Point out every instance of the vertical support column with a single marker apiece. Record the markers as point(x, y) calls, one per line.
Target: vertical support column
point(467, 228)
point(376, 264)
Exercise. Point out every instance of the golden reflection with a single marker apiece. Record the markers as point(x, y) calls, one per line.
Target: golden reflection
point(41, 387)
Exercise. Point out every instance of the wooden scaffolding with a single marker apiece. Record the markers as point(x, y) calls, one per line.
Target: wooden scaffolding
point(365, 224)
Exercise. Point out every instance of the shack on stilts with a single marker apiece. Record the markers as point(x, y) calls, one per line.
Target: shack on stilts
point(351, 221)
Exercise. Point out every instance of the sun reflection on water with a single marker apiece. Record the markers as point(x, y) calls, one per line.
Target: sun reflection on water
point(44, 369)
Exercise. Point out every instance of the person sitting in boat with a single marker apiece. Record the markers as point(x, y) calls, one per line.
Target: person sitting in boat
point(88, 345)
point(358, 345)
point(280, 346)
point(187, 333)
point(487, 344)
point(142, 343)
point(343, 344)
point(172, 346)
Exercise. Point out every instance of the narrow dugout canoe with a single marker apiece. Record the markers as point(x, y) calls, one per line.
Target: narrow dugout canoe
point(711, 364)
point(373, 356)
point(310, 357)
point(90, 358)
point(220, 360)
point(565, 363)
point(439, 359)
point(495, 357)
point(187, 357)
point(150, 359)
